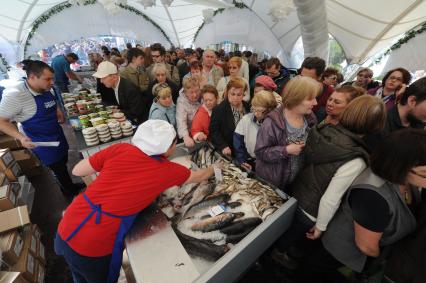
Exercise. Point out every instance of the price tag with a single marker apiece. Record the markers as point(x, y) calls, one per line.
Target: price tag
point(216, 210)
point(218, 174)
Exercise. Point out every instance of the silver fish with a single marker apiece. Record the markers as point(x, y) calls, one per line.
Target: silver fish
point(213, 223)
point(201, 192)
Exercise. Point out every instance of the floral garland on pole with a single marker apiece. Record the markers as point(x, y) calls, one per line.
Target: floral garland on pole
point(239, 5)
point(62, 6)
point(407, 37)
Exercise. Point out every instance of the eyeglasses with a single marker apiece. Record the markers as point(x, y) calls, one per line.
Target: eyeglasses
point(258, 110)
point(392, 78)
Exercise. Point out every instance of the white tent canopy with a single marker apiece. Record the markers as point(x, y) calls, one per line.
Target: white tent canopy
point(362, 28)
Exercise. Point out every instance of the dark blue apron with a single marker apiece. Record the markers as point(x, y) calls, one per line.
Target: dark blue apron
point(125, 225)
point(44, 127)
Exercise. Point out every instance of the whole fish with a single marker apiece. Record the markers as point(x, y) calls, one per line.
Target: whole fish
point(213, 223)
point(233, 239)
point(208, 202)
point(201, 248)
point(241, 226)
point(200, 193)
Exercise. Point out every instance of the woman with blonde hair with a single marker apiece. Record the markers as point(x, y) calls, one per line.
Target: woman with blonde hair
point(187, 105)
point(283, 133)
point(245, 134)
point(163, 107)
point(234, 65)
point(335, 155)
point(159, 72)
point(227, 114)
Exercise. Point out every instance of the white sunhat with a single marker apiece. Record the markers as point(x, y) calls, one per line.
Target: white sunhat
point(154, 137)
point(105, 69)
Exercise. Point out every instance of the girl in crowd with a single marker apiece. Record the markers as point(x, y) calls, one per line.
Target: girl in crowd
point(375, 212)
point(339, 100)
point(329, 77)
point(187, 105)
point(201, 121)
point(227, 114)
point(163, 107)
point(234, 65)
point(160, 74)
point(196, 70)
point(133, 72)
point(283, 133)
point(393, 85)
point(245, 134)
point(266, 83)
point(335, 155)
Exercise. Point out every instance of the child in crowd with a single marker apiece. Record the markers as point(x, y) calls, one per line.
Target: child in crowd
point(245, 134)
point(163, 107)
point(201, 122)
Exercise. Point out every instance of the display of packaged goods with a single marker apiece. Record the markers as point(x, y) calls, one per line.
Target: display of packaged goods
point(97, 121)
point(26, 193)
point(26, 264)
point(11, 245)
point(84, 121)
point(99, 108)
point(8, 197)
point(6, 158)
point(13, 172)
point(93, 115)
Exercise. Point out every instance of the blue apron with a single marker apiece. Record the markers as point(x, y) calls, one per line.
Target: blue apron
point(44, 127)
point(125, 225)
point(117, 252)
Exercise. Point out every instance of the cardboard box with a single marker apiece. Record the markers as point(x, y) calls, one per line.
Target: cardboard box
point(27, 265)
point(12, 277)
point(11, 245)
point(3, 179)
point(32, 241)
point(7, 198)
point(6, 158)
point(10, 142)
point(41, 252)
point(13, 172)
point(36, 231)
point(26, 193)
point(41, 271)
point(14, 218)
point(29, 163)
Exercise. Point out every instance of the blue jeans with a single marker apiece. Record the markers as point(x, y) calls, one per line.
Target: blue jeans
point(84, 269)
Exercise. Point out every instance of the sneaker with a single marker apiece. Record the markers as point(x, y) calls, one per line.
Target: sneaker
point(283, 259)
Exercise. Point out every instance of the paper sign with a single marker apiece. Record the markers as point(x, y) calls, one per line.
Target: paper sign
point(53, 143)
point(216, 210)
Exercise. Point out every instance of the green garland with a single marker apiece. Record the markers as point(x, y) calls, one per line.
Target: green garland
point(407, 37)
point(219, 11)
point(62, 6)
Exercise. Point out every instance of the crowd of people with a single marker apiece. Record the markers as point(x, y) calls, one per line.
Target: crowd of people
point(321, 140)
point(352, 153)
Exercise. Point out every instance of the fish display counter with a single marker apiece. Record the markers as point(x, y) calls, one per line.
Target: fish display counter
point(209, 232)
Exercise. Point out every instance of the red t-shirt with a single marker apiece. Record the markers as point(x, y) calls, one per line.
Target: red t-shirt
point(129, 181)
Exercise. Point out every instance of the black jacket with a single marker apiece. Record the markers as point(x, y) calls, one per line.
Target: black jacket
point(132, 102)
point(107, 94)
point(222, 125)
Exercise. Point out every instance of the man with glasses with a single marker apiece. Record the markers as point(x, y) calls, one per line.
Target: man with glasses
point(157, 52)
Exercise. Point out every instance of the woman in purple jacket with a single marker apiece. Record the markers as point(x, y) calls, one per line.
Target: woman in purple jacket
point(282, 136)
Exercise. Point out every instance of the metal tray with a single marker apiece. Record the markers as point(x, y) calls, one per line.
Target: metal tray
point(163, 259)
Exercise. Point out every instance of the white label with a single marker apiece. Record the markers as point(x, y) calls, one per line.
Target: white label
point(33, 244)
point(216, 210)
point(7, 158)
point(218, 174)
point(18, 246)
point(30, 264)
point(40, 275)
point(3, 191)
point(41, 251)
point(16, 170)
point(12, 197)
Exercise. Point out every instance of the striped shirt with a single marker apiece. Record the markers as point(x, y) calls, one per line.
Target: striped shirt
point(18, 103)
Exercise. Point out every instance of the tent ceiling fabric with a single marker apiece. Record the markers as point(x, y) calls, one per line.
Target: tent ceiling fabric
point(362, 29)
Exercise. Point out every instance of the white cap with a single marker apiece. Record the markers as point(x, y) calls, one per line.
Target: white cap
point(154, 137)
point(105, 68)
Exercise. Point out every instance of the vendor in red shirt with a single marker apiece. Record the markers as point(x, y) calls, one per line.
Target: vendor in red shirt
point(91, 233)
